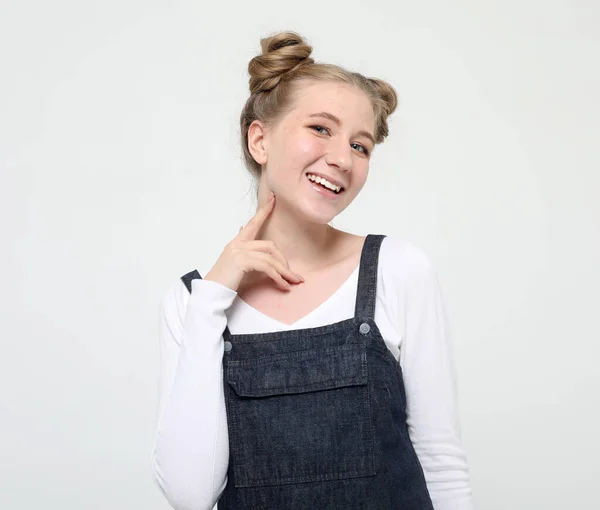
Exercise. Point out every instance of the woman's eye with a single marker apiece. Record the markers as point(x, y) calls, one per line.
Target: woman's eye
point(364, 149)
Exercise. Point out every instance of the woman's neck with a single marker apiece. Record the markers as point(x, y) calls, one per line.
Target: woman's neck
point(305, 246)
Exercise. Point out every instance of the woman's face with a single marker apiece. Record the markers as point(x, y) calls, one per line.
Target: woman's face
point(309, 140)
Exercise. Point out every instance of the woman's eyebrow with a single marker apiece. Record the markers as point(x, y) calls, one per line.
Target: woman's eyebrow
point(337, 121)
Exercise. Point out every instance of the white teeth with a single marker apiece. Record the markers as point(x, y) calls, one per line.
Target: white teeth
point(324, 182)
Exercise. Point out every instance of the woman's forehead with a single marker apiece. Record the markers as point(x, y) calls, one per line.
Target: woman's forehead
point(345, 102)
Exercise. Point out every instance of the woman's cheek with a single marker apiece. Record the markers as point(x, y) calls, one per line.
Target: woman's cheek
point(308, 148)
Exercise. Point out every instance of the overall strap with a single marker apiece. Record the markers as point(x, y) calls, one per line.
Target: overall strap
point(367, 277)
point(195, 275)
point(188, 277)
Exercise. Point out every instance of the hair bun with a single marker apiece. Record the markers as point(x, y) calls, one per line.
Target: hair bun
point(282, 54)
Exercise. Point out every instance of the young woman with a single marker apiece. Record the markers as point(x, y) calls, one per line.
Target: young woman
point(309, 368)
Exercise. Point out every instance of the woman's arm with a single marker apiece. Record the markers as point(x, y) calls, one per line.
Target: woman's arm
point(191, 451)
point(429, 375)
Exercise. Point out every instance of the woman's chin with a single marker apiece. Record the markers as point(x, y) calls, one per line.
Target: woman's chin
point(311, 211)
point(319, 215)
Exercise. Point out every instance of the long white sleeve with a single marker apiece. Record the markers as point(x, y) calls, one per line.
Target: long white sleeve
point(190, 453)
point(429, 375)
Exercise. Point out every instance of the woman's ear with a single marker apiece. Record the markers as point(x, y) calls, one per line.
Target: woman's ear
point(256, 142)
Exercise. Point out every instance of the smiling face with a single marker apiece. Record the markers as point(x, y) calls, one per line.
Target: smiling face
point(328, 133)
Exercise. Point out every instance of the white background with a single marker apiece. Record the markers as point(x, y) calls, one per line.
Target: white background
point(121, 170)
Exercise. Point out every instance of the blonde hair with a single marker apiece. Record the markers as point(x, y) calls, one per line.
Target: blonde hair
point(284, 63)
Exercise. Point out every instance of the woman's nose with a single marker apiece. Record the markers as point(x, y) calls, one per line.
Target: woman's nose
point(340, 155)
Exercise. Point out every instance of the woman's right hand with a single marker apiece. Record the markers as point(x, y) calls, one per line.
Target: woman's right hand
point(244, 254)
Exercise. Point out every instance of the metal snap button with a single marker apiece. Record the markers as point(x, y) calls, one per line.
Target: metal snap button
point(364, 328)
point(227, 346)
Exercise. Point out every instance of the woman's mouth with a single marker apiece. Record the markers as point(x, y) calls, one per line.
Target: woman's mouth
point(323, 186)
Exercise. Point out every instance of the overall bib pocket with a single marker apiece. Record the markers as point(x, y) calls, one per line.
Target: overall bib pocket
point(302, 416)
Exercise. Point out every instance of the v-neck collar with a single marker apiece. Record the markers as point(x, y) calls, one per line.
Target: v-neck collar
point(294, 324)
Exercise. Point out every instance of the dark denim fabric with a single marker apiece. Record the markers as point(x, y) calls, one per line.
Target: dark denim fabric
point(317, 416)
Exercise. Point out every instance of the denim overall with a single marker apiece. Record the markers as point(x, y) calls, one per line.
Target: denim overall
point(317, 417)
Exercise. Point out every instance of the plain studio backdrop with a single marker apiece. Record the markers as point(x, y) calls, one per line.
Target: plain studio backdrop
point(121, 171)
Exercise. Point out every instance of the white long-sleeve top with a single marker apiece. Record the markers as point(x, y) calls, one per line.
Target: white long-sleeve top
point(191, 449)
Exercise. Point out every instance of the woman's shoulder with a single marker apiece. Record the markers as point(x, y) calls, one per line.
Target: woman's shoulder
point(175, 297)
point(405, 262)
point(403, 254)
